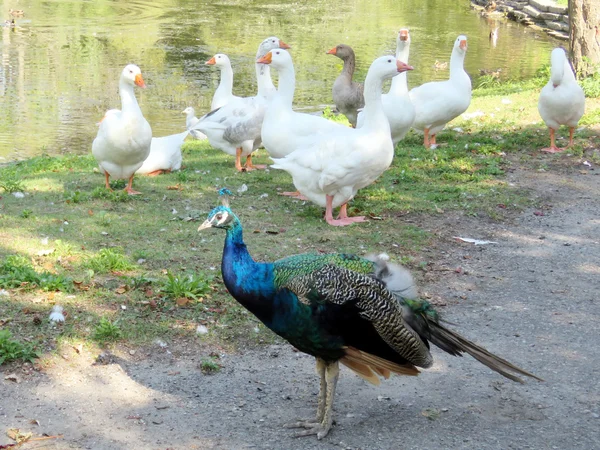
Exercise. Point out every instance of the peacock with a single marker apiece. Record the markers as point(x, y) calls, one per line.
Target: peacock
point(341, 308)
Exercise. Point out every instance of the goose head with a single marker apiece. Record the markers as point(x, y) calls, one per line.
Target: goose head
point(461, 44)
point(219, 60)
point(277, 58)
point(559, 64)
point(342, 51)
point(388, 66)
point(270, 43)
point(189, 111)
point(403, 37)
point(133, 75)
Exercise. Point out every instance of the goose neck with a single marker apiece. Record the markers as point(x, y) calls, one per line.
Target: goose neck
point(457, 60)
point(128, 101)
point(400, 82)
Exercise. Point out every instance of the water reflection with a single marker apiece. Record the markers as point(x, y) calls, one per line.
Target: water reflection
point(60, 64)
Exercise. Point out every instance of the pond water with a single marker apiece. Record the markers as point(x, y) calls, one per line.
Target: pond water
point(60, 65)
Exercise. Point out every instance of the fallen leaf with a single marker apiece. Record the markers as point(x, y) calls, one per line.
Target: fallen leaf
point(176, 187)
point(430, 413)
point(90, 212)
point(538, 213)
point(122, 289)
point(13, 377)
point(182, 301)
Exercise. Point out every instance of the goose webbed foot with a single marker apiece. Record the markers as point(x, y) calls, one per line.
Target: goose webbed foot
point(295, 194)
point(249, 166)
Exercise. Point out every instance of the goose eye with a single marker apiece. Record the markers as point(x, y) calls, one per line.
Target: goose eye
point(389, 60)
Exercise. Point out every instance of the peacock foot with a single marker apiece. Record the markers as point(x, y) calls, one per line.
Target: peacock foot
point(295, 194)
point(552, 149)
point(312, 428)
point(340, 222)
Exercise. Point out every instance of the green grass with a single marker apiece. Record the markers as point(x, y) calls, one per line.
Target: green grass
point(13, 350)
point(107, 331)
point(119, 264)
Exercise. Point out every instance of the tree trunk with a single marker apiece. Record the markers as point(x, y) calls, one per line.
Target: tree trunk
point(584, 36)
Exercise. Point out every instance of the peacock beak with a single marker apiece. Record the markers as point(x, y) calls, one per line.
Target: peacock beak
point(139, 81)
point(207, 224)
point(267, 59)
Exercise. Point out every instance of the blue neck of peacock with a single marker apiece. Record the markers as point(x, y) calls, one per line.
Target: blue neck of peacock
point(249, 282)
point(128, 101)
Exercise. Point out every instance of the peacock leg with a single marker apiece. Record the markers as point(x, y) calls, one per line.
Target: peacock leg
point(106, 183)
point(310, 423)
point(238, 159)
point(332, 373)
point(553, 148)
point(249, 166)
point(343, 218)
point(129, 189)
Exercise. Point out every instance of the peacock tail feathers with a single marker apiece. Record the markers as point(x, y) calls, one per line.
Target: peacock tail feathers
point(332, 284)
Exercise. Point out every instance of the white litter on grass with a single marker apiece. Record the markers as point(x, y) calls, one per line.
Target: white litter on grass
point(201, 329)
point(506, 101)
point(4, 293)
point(469, 116)
point(173, 211)
point(160, 343)
point(243, 188)
point(264, 195)
point(587, 163)
point(474, 241)
point(18, 194)
point(57, 314)
point(458, 129)
point(44, 241)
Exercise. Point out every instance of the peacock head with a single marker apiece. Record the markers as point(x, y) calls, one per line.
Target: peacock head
point(222, 216)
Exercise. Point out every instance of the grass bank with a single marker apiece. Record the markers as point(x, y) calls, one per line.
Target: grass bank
point(134, 270)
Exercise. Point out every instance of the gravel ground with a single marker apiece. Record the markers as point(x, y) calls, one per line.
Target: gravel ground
point(532, 298)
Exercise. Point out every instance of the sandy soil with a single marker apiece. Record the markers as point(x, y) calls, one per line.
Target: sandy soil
point(533, 297)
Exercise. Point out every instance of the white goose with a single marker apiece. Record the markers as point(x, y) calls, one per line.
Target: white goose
point(284, 130)
point(165, 155)
point(396, 103)
point(224, 92)
point(190, 117)
point(235, 127)
point(330, 168)
point(438, 102)
point(562, 101)
point(124, 136)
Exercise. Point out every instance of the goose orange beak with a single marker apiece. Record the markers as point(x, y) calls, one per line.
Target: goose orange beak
point(283, 45)
point(403, 67)
point(333, 51)
point(211, 62)
point(403, 34)
point(267, 59)
point(463, 44)
point(139, 81)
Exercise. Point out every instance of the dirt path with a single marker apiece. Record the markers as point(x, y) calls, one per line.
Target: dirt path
point(533, 298)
